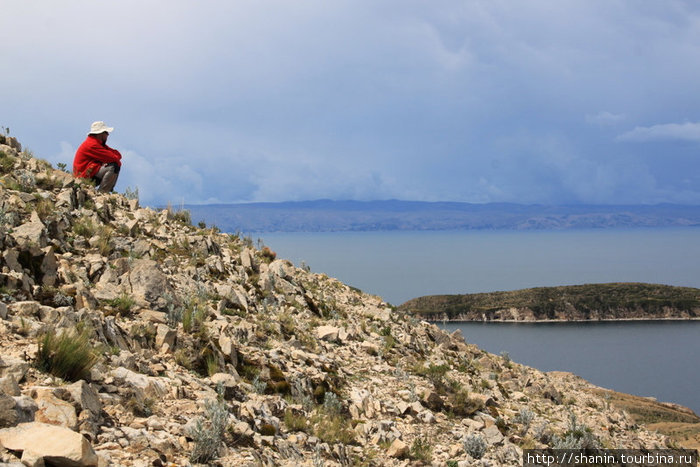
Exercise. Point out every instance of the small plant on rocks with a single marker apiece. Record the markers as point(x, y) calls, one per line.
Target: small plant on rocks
point(475, 446)
point(208, 432)
point(69, 355)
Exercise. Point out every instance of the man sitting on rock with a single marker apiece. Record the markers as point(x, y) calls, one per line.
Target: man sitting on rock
point(95, 160)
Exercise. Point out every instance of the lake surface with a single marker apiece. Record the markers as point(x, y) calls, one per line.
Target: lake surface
point(646, 358)
point(657, 359)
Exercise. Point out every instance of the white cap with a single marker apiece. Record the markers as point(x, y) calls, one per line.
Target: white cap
point(99, 127)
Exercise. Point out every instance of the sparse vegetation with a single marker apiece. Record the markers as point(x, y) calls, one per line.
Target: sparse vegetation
point(68, 355)
point(475, 446)
point(421, 450)
point(208, 432)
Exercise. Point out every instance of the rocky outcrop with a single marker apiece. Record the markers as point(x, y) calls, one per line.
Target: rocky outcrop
point(198, 347)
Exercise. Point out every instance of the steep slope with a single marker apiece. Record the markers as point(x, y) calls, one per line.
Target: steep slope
point(595, 302)
point(210, 350)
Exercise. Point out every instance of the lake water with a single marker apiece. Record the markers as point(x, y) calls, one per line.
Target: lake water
point(656, 359)
point(646, 358)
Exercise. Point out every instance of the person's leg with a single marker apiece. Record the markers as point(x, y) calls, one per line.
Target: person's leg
point(107, 176)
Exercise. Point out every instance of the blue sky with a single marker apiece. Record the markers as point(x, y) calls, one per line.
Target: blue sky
point(558, 101)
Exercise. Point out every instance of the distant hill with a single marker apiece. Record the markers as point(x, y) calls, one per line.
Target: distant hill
point(329, 216)
point(589, 302)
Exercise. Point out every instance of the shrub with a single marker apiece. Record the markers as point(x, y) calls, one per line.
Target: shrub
point(294, 422)
point(104, 243)
point(332, 429)
point(7, 163)
point(208, 432)
point(331, 403)
point(84, 227)
point(421, 450)
point(268, 255)
point(524, 417)
point(475, 446)
point(576, 437)
point(69, 356)
point(122, 303)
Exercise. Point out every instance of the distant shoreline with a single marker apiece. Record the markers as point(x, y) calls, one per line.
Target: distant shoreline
point(559, 320)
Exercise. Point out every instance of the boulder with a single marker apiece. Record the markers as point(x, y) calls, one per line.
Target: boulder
point(398, 449)
point(85, 397)
point(492, 435)
point(31, 233)
point(8, 415)
point(327, 333)
point(433, 401)
point(147, 385)
point(148, 282)
point(42, 444)
point(53, 410)
point(9, 386)
point(165, 337)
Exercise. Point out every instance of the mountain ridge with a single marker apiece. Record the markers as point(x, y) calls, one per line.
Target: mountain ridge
point(330, 215)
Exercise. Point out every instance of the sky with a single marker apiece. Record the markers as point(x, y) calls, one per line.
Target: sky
point(537, 101)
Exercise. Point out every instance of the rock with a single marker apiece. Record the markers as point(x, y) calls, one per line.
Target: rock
point(40, 442)
point(327, 333)
point(86, 397)
point(3, 311)
point(148, 282)
point(8, 415)
point(248, 259)
point(13, 367)
point(149, 386)
point(53, 410)
point(9, 386)
point(492, 435)
point(48, 267)
point(228, 349)
point(25, 408)
point(31, 233)
point(165, 337)
point(398, 449)
point(158, 317)
point(432, 401)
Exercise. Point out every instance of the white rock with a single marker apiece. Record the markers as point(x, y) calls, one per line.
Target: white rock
point(327, 333)
point(39, 441)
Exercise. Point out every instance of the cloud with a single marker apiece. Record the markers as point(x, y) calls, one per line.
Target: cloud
point(605, 118)
point(663, 132)
point(241, 101)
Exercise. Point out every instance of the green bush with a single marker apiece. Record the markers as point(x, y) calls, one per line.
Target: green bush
point(69, 355)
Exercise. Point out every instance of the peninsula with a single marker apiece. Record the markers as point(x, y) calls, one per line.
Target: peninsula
point(588, 302)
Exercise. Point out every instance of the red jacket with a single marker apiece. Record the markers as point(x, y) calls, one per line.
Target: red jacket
point(91, 155)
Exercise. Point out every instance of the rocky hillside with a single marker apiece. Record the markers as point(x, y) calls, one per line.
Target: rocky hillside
point(130, 337)
point(594, 302)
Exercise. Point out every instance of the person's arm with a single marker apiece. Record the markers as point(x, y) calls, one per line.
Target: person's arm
point(103, 154)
